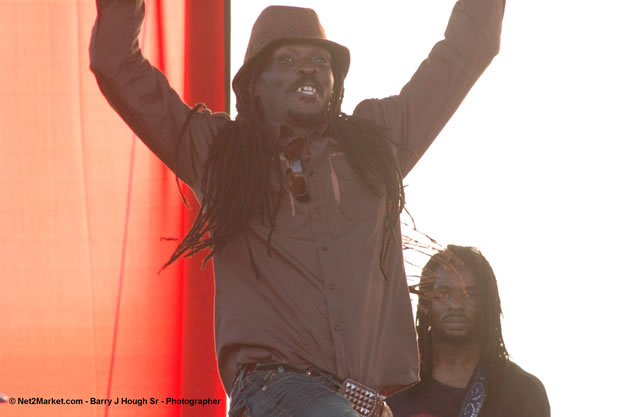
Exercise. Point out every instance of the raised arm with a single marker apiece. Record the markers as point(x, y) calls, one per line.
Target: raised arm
point(417, 115)
point(141, 94)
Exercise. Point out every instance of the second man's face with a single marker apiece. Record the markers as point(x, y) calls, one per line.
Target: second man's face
point(454, 306)
point(296, 85)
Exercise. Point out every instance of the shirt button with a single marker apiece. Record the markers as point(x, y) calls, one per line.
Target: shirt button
point(331, 286)
point(324, 248)
point(318, 213)
point(337, 327)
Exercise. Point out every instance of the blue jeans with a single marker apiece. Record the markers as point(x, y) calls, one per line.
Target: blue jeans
point(285, 393)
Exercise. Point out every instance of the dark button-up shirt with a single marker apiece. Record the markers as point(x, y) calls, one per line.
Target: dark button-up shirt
point(320, 299)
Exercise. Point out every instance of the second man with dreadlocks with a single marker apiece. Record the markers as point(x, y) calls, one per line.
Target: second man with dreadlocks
point(465, 368)
point(300, 202)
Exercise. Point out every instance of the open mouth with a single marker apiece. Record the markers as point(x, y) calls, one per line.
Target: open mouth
point(307, 90)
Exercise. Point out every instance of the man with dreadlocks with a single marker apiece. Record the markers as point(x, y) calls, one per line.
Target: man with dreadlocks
point(465, 368)
point(300, 202)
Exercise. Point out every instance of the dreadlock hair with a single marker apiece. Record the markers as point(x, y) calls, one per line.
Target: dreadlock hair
point(494, 355)
point(236, 186)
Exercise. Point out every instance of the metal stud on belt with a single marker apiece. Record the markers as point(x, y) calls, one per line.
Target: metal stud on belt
point(366, 401)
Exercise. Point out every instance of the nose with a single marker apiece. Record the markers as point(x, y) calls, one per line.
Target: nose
point(306, 66)
point(456, 301)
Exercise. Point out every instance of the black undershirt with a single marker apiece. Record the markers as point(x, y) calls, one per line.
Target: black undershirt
point(431, 399)
point(516, 394)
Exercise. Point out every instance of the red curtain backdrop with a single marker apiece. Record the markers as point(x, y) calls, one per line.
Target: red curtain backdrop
point(83, 210)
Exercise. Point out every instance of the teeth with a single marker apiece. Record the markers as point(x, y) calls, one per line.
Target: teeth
point(307, 89)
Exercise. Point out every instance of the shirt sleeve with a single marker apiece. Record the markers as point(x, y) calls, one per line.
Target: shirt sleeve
point(142, 96)
point(414, 118)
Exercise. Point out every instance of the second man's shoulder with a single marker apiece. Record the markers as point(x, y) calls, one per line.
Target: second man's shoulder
point(522, 382)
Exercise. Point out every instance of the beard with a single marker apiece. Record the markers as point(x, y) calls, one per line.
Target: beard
point(307, 120)
point(454, 338)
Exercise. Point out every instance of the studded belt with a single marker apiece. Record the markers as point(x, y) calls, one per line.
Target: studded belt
point(365, 401)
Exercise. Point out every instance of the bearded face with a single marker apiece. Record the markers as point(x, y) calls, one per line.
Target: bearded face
point(296, 85)
point(454, 305)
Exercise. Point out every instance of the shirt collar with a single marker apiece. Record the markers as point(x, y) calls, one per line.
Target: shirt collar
point(284, 134)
